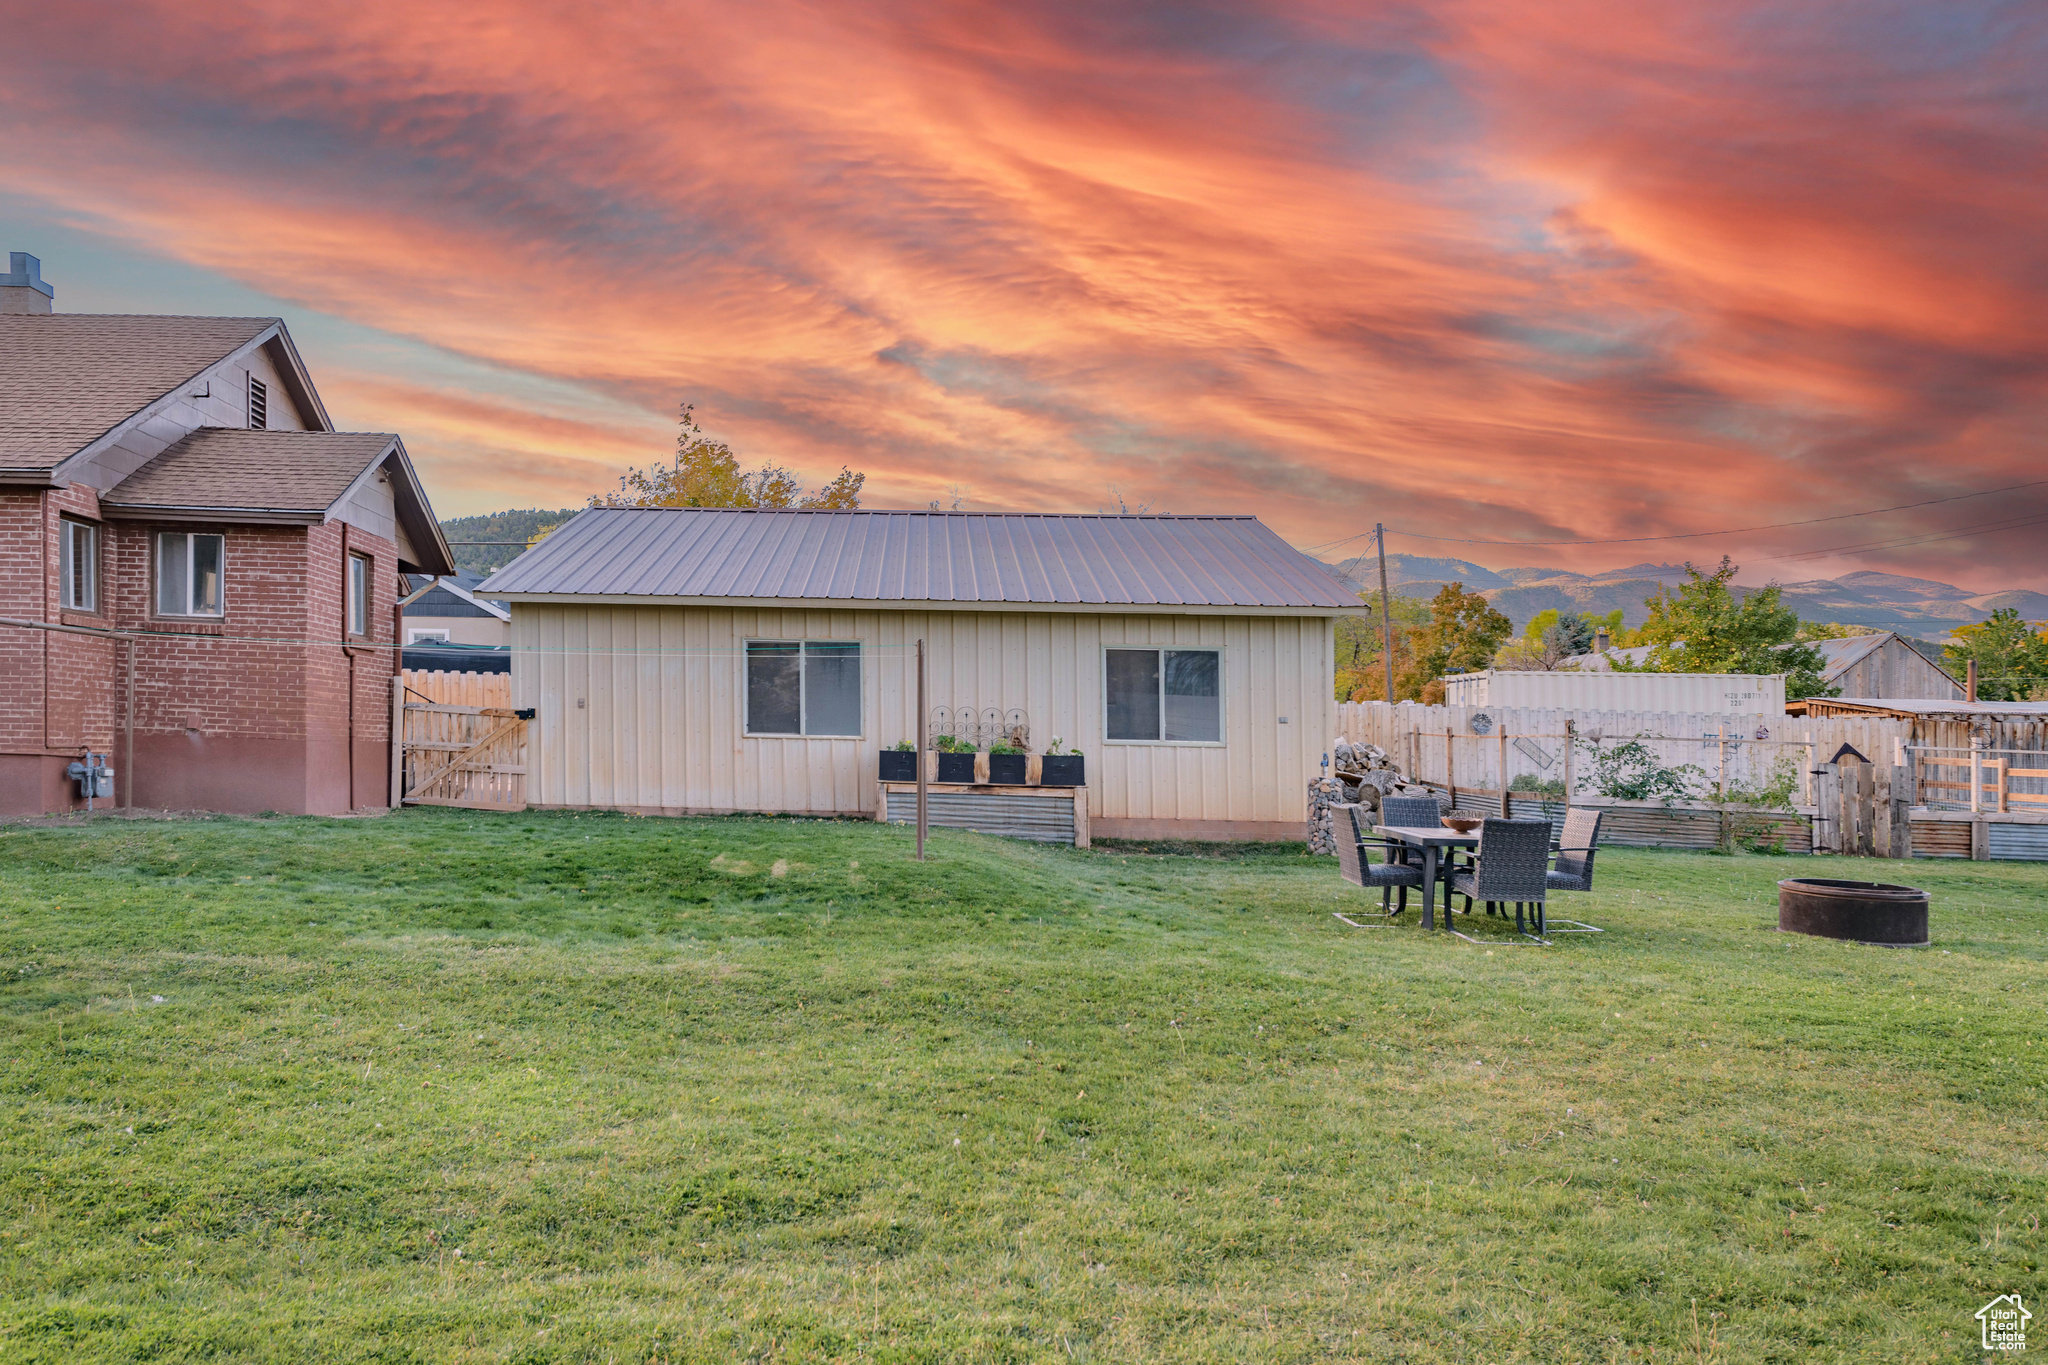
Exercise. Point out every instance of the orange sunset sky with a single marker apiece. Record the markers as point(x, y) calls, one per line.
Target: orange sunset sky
point(1484, 268)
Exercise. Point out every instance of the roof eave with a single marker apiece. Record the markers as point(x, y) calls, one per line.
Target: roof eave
point(143, 511)
point(894, 604)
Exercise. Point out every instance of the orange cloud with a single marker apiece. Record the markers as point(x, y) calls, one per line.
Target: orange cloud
point(1474, 268)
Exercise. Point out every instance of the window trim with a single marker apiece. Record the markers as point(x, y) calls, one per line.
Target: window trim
point(803, 643)
point(68, 528)
point(356, 604)
point(156, 567)
point(1222, 741)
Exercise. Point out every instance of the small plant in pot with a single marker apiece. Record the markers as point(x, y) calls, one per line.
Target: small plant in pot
point(956, 760)
point(1060, 767)
point(1007, 765)
point(900, 763)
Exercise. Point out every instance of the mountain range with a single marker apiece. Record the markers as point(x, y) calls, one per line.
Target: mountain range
point(1911, 606)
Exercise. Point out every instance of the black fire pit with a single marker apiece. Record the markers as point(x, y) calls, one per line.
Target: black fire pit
point(1863, 912)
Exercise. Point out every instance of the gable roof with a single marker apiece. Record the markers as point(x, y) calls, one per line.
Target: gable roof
point(289, 476)
point(67, 380)
point(695, 554)
point(449, 597)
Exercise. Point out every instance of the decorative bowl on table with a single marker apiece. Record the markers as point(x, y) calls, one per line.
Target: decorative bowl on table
point(1463, 824)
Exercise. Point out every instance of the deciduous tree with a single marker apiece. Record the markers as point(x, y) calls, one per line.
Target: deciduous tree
point(1700, 626)
point(2011, 657)
point(707, 474)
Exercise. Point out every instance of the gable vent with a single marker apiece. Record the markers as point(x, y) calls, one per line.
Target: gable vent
point(259, 404)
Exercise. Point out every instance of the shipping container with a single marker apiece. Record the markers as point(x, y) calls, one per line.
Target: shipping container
point(1745, 694)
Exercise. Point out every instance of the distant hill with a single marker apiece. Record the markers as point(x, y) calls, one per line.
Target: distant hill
point(1911, 606)
point(517, 526)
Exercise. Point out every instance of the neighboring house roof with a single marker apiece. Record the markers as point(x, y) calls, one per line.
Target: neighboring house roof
point(69, 380)
point(448, 597)
point(723, 554)
point(1840, 655)
point(1904, 707)
point(289, 476)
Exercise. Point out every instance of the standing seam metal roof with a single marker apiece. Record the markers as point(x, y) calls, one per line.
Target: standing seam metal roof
point(883, 556)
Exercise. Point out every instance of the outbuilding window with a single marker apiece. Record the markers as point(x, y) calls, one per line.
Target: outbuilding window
point(78, 555)
point(803, 687)
point(415, 635)
point(188, 573)
point(1163, 696)
point(359, 594)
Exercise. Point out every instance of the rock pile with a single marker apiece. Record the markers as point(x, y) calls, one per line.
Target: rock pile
point(1360, 775)
point(1368, 773)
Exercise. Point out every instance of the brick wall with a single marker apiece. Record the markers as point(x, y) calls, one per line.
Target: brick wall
point(248, 711)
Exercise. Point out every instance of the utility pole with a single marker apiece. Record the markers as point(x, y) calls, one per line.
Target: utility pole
point(1386, 613)
point(923, 741)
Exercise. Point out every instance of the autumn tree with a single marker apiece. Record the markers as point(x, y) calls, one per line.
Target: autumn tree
point(1463, 634)
point(1547, 641)
point(1700, 626)
point(2011, 657)
point(707, 474)
point(1361, 673)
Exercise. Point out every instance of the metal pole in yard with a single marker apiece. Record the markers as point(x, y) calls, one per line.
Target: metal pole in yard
point(1506, 811)
point(923, 739)
point(1387, 614)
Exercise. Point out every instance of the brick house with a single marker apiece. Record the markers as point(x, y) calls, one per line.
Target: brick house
point(199, 575)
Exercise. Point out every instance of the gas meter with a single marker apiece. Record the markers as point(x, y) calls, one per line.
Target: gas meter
point(93, 776)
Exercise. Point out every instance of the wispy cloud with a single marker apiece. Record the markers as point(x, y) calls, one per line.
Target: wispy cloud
point(1477, 267)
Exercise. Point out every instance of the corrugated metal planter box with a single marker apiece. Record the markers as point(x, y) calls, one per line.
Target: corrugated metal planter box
point(2028, 843)
point(1045, 819)
point(1705, 693)
point(1941, 839)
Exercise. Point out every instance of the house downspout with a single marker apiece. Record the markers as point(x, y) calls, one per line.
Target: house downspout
point(350, 655)
point(128, 729)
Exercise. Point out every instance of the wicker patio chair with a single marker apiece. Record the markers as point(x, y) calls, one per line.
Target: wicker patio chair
point(1574, 850)
point(1412, 811)
point(1512, 864)
point(1388, 875)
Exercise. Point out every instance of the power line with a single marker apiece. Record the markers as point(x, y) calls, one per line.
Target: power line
point(1693, 535)
point(1981, 528)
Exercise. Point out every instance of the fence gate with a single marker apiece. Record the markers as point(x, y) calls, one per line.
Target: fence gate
point(472, 756)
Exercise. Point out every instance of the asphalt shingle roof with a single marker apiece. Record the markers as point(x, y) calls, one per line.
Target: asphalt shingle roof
point(883, 556)
point(66, 379)
point(267, 471)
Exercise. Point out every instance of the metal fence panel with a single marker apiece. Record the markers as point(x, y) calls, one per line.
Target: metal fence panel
point(1045, 819)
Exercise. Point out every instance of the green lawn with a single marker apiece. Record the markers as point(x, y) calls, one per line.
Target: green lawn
point(453, 1086)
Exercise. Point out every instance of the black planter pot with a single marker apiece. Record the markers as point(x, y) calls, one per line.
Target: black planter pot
point(1007, 769)
point(1062, 770)
point(956, 768)
point(899, 765)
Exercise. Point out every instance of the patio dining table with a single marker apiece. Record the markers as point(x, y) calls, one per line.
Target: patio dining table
point(1432, 840)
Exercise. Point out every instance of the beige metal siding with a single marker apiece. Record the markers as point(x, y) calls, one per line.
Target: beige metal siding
point(661, 722)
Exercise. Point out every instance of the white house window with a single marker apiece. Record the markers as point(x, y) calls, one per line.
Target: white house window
point(188, 574)
point(78, 555)
point(803, 687)
point(1170, 696)
point(359, 594)
point(415, 635)
point(259, 404)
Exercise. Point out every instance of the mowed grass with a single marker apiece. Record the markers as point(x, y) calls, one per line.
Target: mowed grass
point(464, 1087)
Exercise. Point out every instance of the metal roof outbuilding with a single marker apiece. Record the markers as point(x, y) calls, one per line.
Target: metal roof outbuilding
point(694, 554)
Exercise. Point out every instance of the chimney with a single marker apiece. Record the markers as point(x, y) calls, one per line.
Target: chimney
point(1970, 682)
point(1600, 640)
point(22, 289)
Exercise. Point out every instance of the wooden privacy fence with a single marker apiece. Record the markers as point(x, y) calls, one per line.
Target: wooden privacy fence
point(1860, 785)
point(453, 754)
point(459, 689)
